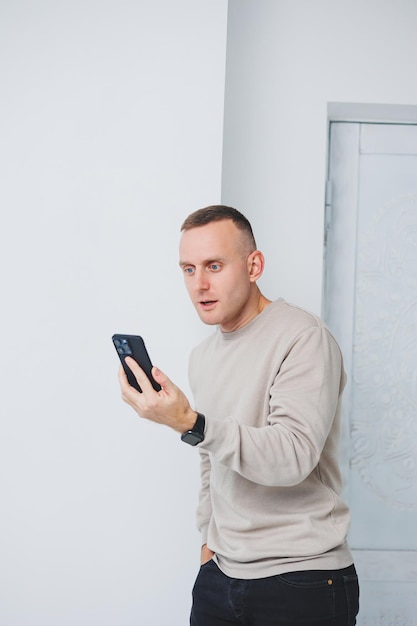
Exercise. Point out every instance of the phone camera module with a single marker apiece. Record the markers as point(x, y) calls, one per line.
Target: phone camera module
point(122, 347)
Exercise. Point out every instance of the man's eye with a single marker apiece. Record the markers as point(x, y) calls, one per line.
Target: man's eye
point(188, 270)
point(214, 267)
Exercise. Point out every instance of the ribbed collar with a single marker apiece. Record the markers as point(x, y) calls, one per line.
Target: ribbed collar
point(244, 330)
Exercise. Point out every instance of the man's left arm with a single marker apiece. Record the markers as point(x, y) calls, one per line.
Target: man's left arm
point(304, 402)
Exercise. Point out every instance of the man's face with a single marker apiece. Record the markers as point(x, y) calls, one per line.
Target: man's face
point(216, 273)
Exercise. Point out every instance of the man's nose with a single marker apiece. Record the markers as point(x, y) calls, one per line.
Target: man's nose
point(201, 280)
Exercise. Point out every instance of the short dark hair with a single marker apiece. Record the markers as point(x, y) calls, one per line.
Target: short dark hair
point(217, 213)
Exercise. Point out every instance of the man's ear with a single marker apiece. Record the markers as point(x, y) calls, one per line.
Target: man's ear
point(256, 264)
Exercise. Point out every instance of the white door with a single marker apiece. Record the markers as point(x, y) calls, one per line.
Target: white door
point(370, 303)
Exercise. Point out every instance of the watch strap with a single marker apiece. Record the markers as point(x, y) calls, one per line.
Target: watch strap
point(196, 434)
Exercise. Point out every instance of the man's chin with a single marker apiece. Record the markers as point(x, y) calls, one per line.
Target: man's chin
point(207, 316)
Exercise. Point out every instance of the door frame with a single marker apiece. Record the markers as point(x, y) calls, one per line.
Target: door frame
point(372, 565)
point(359, 112)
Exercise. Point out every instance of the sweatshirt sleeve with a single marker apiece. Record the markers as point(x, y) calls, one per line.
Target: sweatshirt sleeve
point(204, 509)
point(304, 400)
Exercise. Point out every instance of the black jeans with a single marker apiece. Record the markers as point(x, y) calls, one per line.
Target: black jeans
point(311, 598)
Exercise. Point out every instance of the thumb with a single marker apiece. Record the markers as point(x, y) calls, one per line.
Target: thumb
point(160, 377)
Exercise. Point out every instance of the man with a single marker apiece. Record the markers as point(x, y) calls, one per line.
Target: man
point(268, 384)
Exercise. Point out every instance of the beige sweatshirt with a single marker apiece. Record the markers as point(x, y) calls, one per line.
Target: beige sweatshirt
point(271, 391)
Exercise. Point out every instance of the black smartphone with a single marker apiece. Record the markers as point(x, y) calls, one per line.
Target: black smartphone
point(134, 346)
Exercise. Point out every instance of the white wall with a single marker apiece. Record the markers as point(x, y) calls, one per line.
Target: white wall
point(286, 60)
point(111, 133)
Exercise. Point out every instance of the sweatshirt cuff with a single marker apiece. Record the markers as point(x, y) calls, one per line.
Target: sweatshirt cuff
point(218, 433)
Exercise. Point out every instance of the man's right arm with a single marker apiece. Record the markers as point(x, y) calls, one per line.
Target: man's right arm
point(204, 506)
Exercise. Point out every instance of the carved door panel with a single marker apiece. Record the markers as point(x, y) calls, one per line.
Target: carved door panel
point(370, 303)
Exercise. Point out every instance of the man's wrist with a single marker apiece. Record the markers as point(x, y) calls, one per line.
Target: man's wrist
point(190, 422)
point(195, 434)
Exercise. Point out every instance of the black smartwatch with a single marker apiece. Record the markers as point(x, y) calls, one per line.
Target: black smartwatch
point(196, 434)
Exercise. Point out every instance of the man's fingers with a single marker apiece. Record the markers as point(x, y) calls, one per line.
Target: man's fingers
point(125, 386)
point(139, 374)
